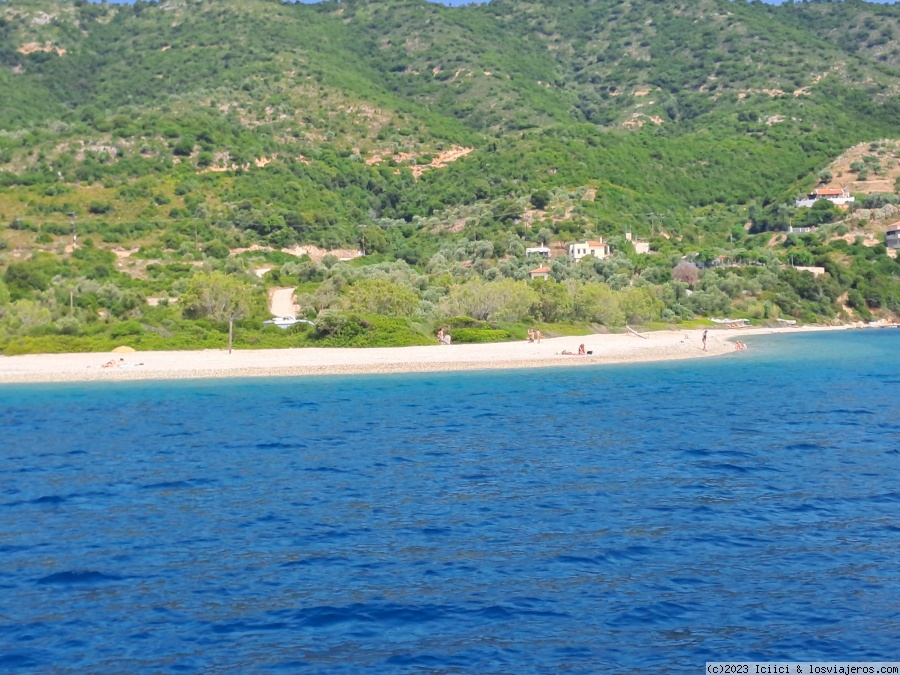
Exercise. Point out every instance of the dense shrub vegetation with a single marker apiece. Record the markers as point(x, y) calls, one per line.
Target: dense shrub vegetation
point(146, 146)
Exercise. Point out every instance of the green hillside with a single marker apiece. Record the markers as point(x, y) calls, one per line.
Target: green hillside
point(446, 139)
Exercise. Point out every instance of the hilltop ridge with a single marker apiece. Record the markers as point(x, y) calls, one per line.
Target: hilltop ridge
point(231, 86)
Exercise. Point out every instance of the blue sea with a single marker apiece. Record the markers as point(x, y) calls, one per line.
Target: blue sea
point(642, 518)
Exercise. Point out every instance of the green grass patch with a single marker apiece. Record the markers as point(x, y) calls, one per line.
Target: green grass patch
point(565, 329)
point(366, 260)
point(690, 324)
point(307, 287)
point(274, 257)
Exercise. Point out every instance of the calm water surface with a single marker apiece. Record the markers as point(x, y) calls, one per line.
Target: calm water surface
point(607, 519)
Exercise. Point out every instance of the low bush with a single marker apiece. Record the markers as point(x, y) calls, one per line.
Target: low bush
point(457, 322)
point(479, 335)
point(339, 330)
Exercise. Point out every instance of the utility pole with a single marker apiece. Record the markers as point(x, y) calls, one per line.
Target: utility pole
point(74, 230)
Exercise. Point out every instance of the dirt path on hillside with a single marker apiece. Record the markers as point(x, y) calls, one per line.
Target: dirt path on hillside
point(281, 302)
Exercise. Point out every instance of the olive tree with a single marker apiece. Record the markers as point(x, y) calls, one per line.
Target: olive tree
point(380, 296)
point(598, 303)
point(502, 300)
point(220, 297)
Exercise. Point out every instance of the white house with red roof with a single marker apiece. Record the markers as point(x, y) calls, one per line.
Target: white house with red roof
point(892, 236)
point(540, 273)
point(836, 196)
point(598, 249)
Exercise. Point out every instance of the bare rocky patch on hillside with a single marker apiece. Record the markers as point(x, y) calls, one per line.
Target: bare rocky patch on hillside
point(32, 47)
point(442, 159)
point(884, 154)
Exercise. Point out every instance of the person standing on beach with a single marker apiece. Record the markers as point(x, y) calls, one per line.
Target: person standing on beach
point(537, 336)
point(704, 340)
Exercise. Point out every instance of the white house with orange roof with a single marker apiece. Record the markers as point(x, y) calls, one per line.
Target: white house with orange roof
point(540, 273)
point(892, 236)
point(598, 249)
point(836, 196)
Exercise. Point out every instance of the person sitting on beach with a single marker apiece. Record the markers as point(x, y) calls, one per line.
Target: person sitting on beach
point(443, 337)
point(531, 334)
point(581, 351)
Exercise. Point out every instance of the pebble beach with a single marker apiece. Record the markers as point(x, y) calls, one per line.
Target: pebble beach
point(170, 365)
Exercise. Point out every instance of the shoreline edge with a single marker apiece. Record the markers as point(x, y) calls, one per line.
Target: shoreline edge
point(621, 348)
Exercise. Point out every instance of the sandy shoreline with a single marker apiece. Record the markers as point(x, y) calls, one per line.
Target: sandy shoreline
point(623, 348)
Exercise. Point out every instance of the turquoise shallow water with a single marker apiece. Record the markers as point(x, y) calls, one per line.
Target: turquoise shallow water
point(606, 519)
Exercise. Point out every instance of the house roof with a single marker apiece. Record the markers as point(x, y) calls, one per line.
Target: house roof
point(829, 192)
point(540, 270)
point(893, 227)
point(595, 243)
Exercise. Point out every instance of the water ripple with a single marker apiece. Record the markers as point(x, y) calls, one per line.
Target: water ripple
point(611, 519)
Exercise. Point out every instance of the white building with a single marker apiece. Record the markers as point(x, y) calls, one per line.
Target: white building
point(640, 247)
point(598, 249)
point(538, 250)
point(837, 196)
point(892, 236)
point(802, 230)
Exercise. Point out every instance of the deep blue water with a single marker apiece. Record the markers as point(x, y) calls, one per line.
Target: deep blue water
point(605, 519)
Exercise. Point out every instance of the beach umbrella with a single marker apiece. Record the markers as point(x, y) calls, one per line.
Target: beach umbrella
point(123, 349)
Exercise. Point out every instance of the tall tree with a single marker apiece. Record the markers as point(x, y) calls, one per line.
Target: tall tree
point(221, 298)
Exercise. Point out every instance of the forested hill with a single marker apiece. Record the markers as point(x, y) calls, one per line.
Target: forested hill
point(299, 122)
point(672, 104)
